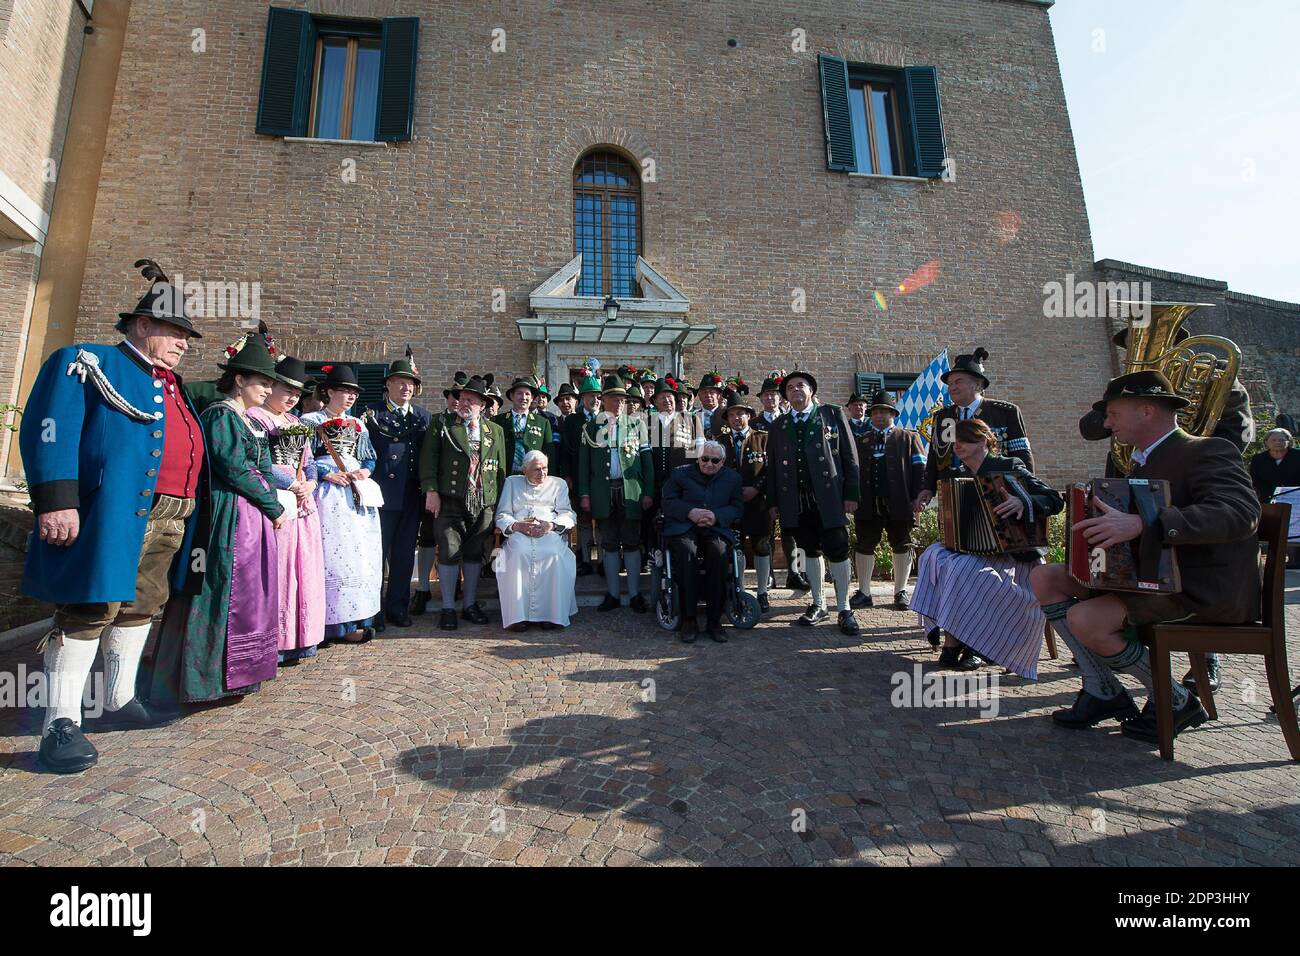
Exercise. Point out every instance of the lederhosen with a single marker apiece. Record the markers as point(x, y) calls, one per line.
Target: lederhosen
point(875, 516)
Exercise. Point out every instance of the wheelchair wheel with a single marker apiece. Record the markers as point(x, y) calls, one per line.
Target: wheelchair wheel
point(668, 612)
point(744, 611)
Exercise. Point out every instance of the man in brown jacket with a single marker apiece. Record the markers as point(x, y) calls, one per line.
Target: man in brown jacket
point(892, 464)
point(1211, 522)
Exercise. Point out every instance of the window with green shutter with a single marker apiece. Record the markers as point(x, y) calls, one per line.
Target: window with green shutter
point(879, 121)
point(370, 377)
point(334, 78)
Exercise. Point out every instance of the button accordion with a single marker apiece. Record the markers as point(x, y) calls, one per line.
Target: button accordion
point(968, 523)
point(1145, 564)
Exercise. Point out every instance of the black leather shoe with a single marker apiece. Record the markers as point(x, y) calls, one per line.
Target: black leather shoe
point(584, 568)
point(860, 600)
point(814, 615)
point(474, 614)
point(849, 624)
point(65, 749)
point(639, 604)
point(715, 632)
point(134, 715)
point(400, 620)
point(609, 603)
point(949, 656)
point(420, 602)
point(1212, 668)
point(448, 620)
point(902, 601)
point(934, 636)
point(1143, 726)
point(1088, 710)
point(969, 660)
point(763, 604)
point(796, 581)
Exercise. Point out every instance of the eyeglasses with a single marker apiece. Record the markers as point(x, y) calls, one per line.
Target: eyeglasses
point(711, 461)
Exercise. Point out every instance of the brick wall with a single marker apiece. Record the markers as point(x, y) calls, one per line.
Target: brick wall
point(742, 212)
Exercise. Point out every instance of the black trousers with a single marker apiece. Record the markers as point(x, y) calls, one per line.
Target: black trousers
point(688, 551)
point(817, 540)
point(400, 530)
point(869, 528)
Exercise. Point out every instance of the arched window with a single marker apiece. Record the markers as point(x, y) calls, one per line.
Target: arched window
point(607, 223)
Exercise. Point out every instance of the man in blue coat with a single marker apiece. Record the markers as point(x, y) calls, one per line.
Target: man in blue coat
point(113, 454)
point(701, 503)
point(397, 428)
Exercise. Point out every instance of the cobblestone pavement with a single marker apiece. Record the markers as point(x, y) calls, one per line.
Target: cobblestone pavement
point(611, 743)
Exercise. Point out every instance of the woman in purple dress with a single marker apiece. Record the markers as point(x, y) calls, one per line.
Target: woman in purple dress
point(222, 642)
point(301, 562)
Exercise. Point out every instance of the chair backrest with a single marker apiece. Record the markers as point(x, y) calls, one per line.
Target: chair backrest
point(1274, 520)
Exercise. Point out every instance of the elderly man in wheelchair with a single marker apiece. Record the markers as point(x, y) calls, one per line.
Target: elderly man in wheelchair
point(701, 504)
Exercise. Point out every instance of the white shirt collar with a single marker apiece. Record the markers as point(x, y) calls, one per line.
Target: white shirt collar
point(404, 409)
point(143, 358)
point(973, 406)
point(1141, 456)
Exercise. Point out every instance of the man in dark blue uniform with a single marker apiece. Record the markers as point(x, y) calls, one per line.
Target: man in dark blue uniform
point(396, 429)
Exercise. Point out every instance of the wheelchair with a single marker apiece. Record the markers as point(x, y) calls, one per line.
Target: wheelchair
point(740, 607)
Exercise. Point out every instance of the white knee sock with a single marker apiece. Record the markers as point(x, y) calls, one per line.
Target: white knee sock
point(122, 649)
point(67, 666)
point(842, 575)
point(816, 576)
point(762, 571)
point(902, 568)
point(866, 564)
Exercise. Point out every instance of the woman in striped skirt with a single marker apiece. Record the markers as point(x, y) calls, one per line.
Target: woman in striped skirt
point(981, 603)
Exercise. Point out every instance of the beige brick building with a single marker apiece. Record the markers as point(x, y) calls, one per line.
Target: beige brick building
point(745, 211)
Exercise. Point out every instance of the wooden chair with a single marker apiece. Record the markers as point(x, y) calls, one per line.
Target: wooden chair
point(1268, 639)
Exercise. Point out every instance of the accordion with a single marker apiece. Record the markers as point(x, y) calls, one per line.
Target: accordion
point(1145, 564)
point(968, 524)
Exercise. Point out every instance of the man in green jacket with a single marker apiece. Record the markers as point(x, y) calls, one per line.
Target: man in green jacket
point(462, 467)
point(567, 462)
point(616, 484)
point(525, 428)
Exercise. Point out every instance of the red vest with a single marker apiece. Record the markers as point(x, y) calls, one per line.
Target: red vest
point(182, 458)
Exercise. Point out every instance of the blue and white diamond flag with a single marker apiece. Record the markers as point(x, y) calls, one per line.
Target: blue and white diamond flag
point(927, 395)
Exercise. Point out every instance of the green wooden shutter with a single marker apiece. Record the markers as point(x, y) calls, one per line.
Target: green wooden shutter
point(397, 48)
point(287, 63)
point(929, 149)
point(836, 119)
point(868, 383)
point(370, 377)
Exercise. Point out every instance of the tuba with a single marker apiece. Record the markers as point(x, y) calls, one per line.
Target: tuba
point(1201, 368)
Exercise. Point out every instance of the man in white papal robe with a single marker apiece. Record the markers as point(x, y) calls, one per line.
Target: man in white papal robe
point(536, 569)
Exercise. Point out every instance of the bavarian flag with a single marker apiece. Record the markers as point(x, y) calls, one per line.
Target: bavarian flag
point(918, 405)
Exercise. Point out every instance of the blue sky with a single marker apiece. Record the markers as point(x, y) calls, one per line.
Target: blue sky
point(1186, 117)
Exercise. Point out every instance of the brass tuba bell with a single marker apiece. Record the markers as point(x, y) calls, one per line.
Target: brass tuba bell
point(1201, 368)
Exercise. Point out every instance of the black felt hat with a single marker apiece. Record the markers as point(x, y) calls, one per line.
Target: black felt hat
point(475, 386)
point(711, 380)
point(459, 379)
point(882, 400)
point(293, 372)
point(1148, 385)
point(972, 364)
point(736, 400)
point(164, 301)
point(612, 385)
point(566, 388)
point(807, 376)
point(529, 382)
point(338, 376)
point(773, 382)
